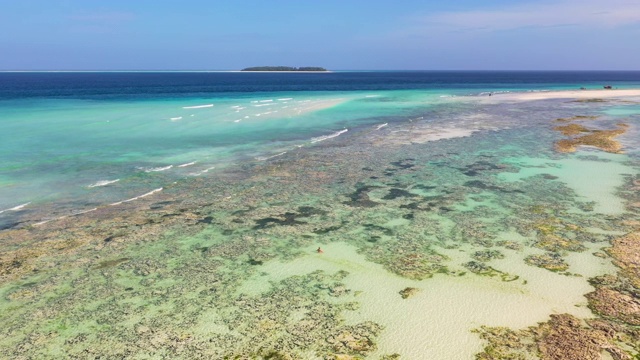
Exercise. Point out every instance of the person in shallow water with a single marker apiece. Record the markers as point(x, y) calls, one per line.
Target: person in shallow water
point(319, 251)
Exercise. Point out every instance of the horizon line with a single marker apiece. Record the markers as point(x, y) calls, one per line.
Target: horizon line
point(328, 71)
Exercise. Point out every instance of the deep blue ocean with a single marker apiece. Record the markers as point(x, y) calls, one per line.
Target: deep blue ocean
point(127, 85)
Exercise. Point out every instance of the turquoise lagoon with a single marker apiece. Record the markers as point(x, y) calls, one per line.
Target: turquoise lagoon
point(435, 190)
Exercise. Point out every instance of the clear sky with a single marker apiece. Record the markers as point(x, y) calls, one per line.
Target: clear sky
point(336, 34)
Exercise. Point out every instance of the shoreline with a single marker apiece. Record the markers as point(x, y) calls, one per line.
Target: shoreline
point(561, 94)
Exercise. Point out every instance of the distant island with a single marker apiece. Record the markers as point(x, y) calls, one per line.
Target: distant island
point(284, 68)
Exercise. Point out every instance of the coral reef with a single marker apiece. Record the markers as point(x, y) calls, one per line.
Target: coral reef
point(487, 255)
point(184, 275)
point(602, 139)
point(550, 261)
point(408, 292)
point(616, 305)
point(571, 129)
point(564, 337)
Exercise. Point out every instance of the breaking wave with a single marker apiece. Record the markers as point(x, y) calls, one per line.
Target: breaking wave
point(327, 137)
point(103, 183)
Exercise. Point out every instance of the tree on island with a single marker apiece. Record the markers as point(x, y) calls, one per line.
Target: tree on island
point(284, 68)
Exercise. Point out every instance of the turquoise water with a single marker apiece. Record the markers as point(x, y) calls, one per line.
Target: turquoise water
point(61, 148)
point(458, 202)
point(84, 140)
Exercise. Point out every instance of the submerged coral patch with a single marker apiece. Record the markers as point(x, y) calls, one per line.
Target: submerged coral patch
point(550, 261)
point(602, 139)
point(360, 198)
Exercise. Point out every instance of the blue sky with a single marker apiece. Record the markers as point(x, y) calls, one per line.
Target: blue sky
point(367, 35)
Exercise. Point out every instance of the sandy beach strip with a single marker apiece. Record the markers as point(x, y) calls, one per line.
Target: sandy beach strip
point(567, 94)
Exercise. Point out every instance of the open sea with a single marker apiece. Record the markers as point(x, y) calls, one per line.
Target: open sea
point(228, 215)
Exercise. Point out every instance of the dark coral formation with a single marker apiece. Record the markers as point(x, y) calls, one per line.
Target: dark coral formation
point(550, 261)
point(487, 255)
point(408, 292)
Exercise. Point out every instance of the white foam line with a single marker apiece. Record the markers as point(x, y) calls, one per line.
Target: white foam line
point(370, 96)
point(285, 99)
point(176, 118)
point(198, 106)
point(270, 157)
point(187, 164)
point(264, 101)
point(159, 169)
point(203, 171)
point(83, 212)
point(327, 137)
point(103, 183)
point(381, 126)
point(236, 121)
point(137, 197)
point(16, 208)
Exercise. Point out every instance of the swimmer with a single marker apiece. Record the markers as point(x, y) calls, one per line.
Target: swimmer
point(319, 251)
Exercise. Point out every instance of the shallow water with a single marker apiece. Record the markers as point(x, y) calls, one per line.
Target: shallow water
point(458, 198)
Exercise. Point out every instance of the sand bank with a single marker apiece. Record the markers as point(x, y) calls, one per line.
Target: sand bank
point(569, 94)
point(423, 135)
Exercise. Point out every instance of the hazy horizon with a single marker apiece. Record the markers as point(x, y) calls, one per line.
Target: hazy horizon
point(318, 72)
